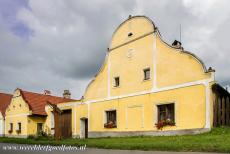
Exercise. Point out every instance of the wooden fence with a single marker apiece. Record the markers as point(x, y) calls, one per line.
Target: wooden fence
point(221, 106)
point(221, 109)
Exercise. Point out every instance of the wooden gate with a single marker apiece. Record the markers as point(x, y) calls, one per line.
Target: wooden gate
point(62, 122)
point(65, 124)
point(221, 108)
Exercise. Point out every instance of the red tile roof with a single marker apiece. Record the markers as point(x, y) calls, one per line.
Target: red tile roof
point(5, 100)
point(37, 102)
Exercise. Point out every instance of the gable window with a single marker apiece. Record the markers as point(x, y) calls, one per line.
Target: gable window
point(39, 128)
point(146, 73)
point(116, 81)
point(11, 128)
point(166, 112)
point(111, 119)
point(19, 128)
point(130, 34)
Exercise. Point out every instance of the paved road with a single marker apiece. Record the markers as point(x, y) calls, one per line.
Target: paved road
point(5, 149)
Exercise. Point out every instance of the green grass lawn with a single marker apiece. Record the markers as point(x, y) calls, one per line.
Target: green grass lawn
point(218, 140)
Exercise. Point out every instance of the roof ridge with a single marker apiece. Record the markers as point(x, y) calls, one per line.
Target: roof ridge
point(6, 93)
point(47, 95)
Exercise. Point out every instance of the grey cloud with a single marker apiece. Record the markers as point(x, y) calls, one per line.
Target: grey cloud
point(71, 38)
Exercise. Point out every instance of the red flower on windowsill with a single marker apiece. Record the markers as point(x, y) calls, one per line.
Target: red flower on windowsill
point(110, 124)
point(164, 123)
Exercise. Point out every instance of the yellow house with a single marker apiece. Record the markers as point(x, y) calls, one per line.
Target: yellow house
point(26, 115)
point(145, 87)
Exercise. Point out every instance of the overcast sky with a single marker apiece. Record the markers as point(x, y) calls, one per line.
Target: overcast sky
point(61, 44)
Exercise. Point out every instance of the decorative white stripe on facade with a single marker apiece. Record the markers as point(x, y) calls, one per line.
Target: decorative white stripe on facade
point(108, 75)
point(154, 62)
point(17, 115)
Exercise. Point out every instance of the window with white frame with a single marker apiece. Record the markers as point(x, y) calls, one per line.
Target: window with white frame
point(117, 81)
point(111, 119)
point(39, 127)
point(11, 128)
point(146, 73)
point(19, 127)
point(166, 112)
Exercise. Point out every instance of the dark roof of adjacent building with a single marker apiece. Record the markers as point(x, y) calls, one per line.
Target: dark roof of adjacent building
point(37, 102)
point(5, 100)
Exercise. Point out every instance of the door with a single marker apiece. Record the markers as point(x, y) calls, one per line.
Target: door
point(65, 124)
point(84, 128)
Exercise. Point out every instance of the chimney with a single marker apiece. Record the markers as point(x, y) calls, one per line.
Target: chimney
point(66, 94)
point(47, 92)
point(177, 44)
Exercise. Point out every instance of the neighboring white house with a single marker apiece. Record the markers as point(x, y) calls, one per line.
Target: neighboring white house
point(4, 102)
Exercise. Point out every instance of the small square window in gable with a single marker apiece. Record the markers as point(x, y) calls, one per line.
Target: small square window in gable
point(146, 73)
point(116, 81)
point(130, 34)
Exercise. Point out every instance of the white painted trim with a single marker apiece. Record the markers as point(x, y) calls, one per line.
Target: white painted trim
point(2, 127)
point(75, 119)
point(17, 115)
point(126, 117)
point(52, 123)
point(143, 117)
point(154, 62)
point(82, 128)
point(207, 106)
point(70, 104)
point(88, 117)
point(104, 117)
point(188, 84)
point(108, 75)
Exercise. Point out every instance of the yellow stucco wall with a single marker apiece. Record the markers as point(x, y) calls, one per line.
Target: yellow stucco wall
point(173, 66)
point(130, 69)
point(140, 112)
point(176, 67)
point(81, 112)
point(32, 124)
point(138, 27)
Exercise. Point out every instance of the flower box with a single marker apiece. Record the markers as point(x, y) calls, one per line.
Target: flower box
point(10, 131)
point(110, 125)
point(164, 123)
